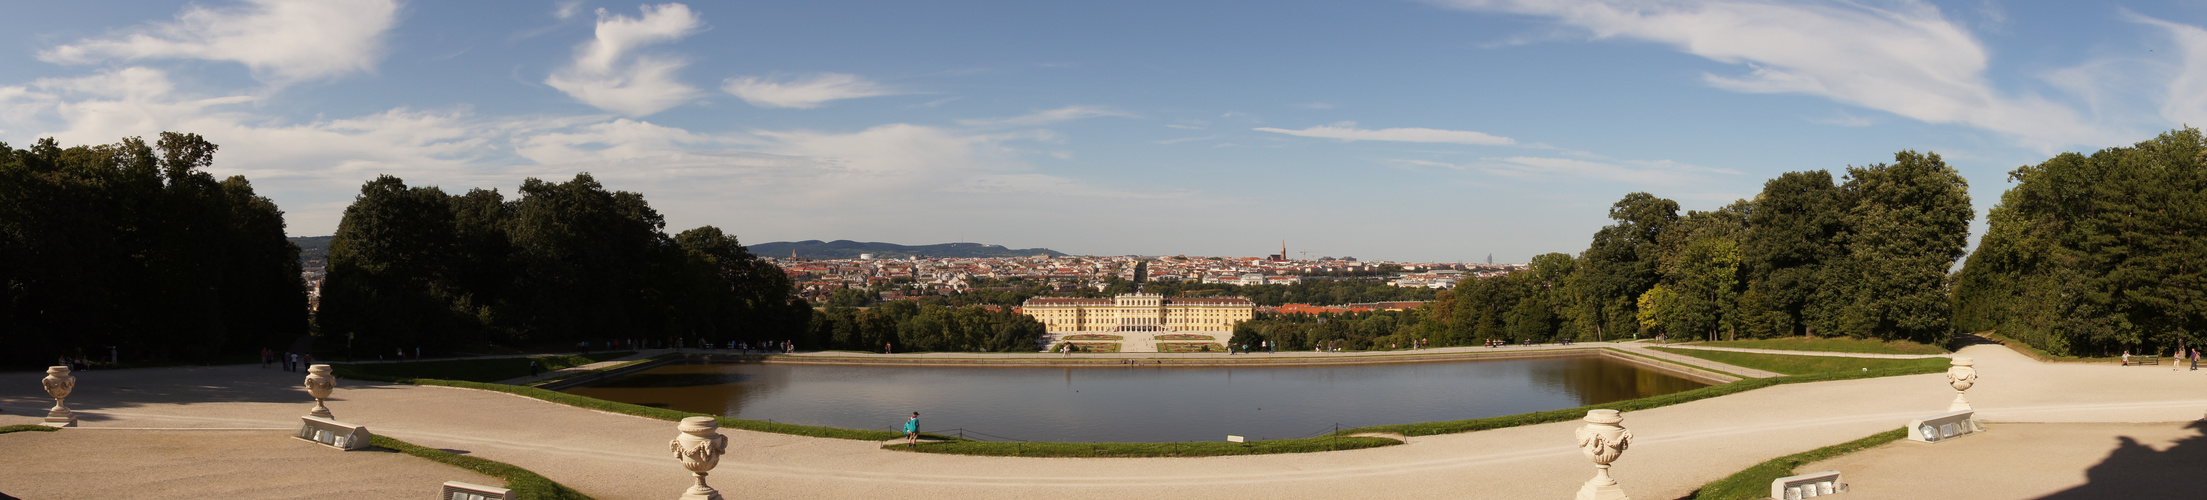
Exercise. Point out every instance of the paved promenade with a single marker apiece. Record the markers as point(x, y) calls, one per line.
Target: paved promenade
point(615, 456)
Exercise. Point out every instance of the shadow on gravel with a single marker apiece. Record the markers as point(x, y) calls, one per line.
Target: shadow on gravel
point(2135, 470)
point(1962, 340)
point(118, 389)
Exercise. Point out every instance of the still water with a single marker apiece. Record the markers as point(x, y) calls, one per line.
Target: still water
point(1135, 404)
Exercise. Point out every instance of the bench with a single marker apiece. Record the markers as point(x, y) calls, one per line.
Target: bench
point(2143, 360)
point(333, 433)
point(1807, 486)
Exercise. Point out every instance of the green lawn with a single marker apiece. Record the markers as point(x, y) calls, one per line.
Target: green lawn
point(473, 370)
point(1754, 483)
point(1094, 347)
point(27, 428)
point(1092, 336)
point(1190, 347)
point(1804, 365)
point(1832, 344)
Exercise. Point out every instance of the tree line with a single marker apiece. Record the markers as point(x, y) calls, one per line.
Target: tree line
point(562, 263)
point(1864, 257)
point(2097, 254)
point(134, 247)
point(914, 326)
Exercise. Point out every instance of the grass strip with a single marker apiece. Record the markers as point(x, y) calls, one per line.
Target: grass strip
point(1831, 344)
point(1629, 405)
point(1675, 362)
point(475, 370)
point(1803, 365)
point(525, 485)
point(27, 428)
point(1122, 450)
point(1754, 483)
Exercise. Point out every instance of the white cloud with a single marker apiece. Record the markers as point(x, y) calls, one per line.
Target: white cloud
point(2186, 98)
point(282, 41)
point(608, 74)
point(1047, 116)
point(805, 94)
point(1347, 131)
point(1907, 59)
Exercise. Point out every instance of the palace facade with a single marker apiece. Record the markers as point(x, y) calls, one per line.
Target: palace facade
point(1139, 312)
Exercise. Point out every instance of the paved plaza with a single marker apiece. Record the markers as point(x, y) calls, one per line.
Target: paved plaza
point(2077, 420)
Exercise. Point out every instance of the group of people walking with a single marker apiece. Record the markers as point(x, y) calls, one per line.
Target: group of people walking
point(292, 361)
point(2182, 353)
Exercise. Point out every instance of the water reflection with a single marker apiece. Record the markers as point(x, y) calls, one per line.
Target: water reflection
point(1137, 403)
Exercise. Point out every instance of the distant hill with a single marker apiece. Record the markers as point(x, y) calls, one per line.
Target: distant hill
point(313, 250)
point(847, 249)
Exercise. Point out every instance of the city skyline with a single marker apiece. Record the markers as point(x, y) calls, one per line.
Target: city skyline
point(1439, 131)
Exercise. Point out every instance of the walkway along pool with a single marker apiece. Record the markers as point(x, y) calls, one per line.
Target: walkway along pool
point(1135, 403)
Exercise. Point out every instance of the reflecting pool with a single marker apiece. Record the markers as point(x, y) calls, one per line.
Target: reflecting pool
point(1138, 404)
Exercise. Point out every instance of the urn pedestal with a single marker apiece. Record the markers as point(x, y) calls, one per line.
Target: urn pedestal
point(699, 447)
point(319, 384)
point(59, 383)
point(1603, 439)
point(1961, 375)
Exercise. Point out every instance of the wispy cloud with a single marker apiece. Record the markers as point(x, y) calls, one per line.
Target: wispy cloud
point(608, 73)
point(1347, 131)
point(281, 41)
point(806, 93)
point(1047, 116)
point(1907, 59)
point(2185, 100)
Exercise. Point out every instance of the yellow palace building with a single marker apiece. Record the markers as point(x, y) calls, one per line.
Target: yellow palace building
point(1139, 312)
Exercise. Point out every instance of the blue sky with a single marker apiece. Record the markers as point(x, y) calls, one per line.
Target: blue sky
point(1441, 130)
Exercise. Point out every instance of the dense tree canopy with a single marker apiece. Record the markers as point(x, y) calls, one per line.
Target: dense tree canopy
point(566, 262)
point(2093, 255)
point(136, 247)
point(1867, 258)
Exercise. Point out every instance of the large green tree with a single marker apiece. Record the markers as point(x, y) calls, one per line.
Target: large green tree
point(137, 250)
point(2097, 254)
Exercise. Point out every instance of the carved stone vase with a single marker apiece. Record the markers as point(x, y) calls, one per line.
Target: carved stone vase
point(319, 384)
point(699, 447)
point(59, 383)
point(1962, 375)
point(1603, 439)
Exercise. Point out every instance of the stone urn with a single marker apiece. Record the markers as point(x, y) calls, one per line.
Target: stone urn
point(699, 447)
point(1962, 375)
point(319, 384)
point(59, 383)
point(1603, 440)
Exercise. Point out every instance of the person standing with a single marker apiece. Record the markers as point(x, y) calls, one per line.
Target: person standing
point(532, 368)
point(912, 430)
point(266, 356)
